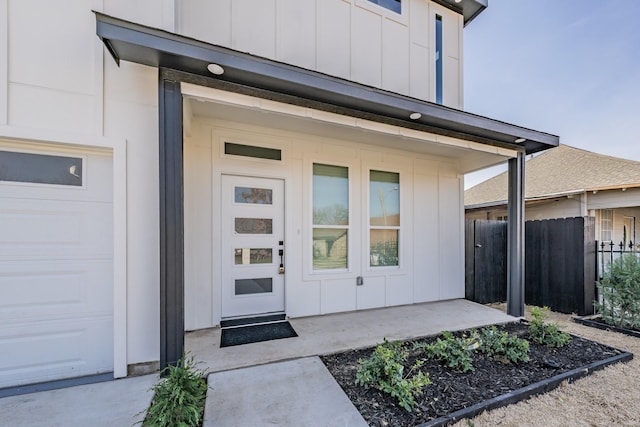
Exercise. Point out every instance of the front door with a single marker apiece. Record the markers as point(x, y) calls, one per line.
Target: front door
point(252, 246)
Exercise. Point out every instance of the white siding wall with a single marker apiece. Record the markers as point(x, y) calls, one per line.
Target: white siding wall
point(58, 84)
point(431, 239)
point(352, 39)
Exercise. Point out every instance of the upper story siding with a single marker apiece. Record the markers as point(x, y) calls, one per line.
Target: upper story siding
point(55, 74)
point(352, 39)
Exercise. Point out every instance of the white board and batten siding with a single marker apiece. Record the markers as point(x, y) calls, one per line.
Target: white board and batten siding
point(56, 273)
point(431, 234)
point(353, 39)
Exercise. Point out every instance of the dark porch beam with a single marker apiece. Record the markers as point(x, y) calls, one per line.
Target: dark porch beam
point(515, 237)
point(171, 222)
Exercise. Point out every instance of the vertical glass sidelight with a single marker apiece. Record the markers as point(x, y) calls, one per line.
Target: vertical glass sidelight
point(439, 59)
point(384, 218)
point(330, 217)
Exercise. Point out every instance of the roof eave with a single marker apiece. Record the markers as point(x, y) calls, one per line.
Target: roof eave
point(134, 42)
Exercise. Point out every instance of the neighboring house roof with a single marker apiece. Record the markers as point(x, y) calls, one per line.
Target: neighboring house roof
point(560, 171)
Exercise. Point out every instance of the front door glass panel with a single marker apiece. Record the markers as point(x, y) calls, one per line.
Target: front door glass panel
point(258, 196)
point(253, 286)
point(248, 256)
point(254, 225)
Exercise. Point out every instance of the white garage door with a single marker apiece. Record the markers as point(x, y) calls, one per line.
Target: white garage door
point(56, 257)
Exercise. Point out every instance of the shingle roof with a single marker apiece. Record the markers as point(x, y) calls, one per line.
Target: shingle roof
point(560, 170)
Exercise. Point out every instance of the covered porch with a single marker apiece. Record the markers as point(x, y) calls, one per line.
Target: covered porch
point(331, 333)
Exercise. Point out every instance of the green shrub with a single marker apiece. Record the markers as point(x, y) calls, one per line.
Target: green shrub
point(384, 370)
point(502, 346)
point(455, 353)
point(546, 333)
point(179, 397)
point(620, 291)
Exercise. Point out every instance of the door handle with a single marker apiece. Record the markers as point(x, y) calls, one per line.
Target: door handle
point(281, 253)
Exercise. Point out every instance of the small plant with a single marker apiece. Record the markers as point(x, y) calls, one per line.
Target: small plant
point(502, 346)
point(546, 333)
point(453, 352)
point(384, 370)
point(179, 397)
point(620, 291)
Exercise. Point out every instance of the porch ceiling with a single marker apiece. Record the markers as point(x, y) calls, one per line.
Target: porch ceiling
point(268, 79)
point(202, 104)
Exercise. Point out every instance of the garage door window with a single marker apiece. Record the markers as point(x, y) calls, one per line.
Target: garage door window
point(40, 168)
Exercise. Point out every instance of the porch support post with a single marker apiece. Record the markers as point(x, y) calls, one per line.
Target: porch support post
point(515, 238)
point(171, 222)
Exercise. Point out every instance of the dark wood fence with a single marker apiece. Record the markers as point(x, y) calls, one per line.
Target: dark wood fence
point(486, 261)
point(560, 263)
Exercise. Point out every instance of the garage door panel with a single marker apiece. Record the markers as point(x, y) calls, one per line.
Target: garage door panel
point(55, 229)
point(50, 290)
point(56, 275)
point(55, 349)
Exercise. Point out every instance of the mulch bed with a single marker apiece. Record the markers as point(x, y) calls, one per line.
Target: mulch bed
point(597, 322)
point(451, 391)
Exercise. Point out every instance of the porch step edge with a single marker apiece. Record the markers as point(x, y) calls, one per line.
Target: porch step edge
point(254, 320)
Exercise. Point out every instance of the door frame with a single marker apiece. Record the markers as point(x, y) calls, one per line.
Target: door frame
point(223, 245)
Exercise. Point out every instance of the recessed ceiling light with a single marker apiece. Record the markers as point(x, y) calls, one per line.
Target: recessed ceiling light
point(520, 140)
point(458, 1)
point(415, 116)
point(215, 69)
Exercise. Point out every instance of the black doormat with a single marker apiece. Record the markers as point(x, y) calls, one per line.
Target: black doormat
point(256, 333)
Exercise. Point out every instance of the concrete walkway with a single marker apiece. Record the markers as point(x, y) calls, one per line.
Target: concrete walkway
point(108, 404)
point(247, 386)
point(299, 392)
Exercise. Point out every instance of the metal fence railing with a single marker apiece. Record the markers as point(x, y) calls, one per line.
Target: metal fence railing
point(608, 252)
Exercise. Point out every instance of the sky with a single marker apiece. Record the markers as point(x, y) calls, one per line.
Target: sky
point(566, 67)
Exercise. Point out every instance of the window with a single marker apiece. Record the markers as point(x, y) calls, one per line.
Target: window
point(40, 168)
point(330, 217)
point(252, 151)
point(439, 59)
point(384, 218)
point(606, 224)
point(392, 5)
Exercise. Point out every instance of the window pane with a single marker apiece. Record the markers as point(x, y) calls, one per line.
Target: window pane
point(254, 225)
point(330, 195)
point(258, 196)
point(383, 248)
point(606, 224)
point(252, 151)
point(40, 168)
point(254, 286)
point(394, 5)
point(330, 248)
point(439, 59)
point(384, 198)
point(253, 256)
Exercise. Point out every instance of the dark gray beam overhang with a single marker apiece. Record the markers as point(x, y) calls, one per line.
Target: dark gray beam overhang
point(469, 9)
point(274, 80)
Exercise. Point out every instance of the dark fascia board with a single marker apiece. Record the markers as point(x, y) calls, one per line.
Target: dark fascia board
point(137, 43)
point(469, 9)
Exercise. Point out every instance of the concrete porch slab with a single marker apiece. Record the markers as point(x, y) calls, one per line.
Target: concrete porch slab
point(298, 392)
point(338, 332)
